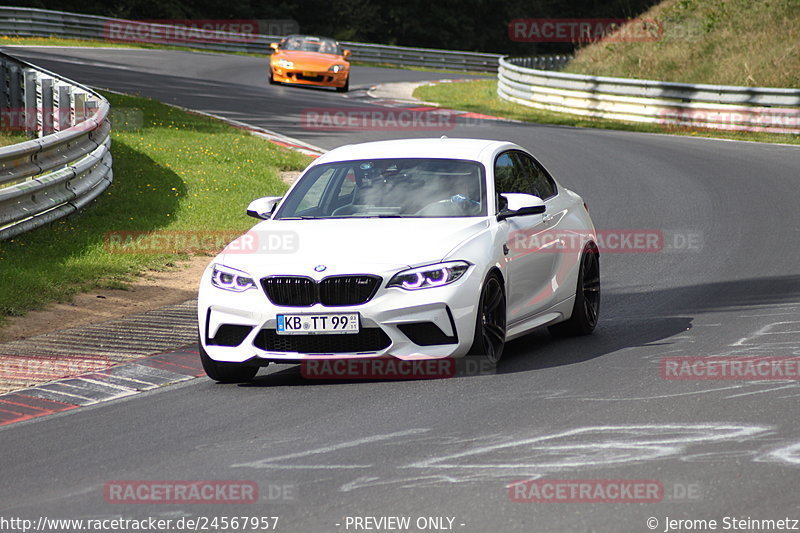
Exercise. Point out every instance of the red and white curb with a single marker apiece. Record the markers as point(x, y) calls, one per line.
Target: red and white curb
point(100, 386)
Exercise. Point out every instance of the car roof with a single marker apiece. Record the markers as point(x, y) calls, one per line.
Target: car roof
point(439, 148)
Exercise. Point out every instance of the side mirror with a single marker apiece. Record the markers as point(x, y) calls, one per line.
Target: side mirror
point(263, 207)
point(520, 204)
point(274, 46)
point(346, 54)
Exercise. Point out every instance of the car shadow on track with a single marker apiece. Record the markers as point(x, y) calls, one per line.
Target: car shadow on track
point(633, 320)
point(537, 350)
point(636, 319)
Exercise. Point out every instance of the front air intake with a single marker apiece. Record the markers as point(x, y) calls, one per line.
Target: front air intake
point(333, 291)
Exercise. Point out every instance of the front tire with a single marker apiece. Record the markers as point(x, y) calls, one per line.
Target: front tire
point(490, 324)
point(271, 78)
point(346, 86)
point(226, 372)
point(586, 309)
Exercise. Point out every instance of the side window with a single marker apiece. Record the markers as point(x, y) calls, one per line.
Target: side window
point(510, 175)
point(542, 184)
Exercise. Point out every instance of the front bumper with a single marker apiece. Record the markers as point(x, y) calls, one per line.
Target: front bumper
point(320, 79)
point(424, 324)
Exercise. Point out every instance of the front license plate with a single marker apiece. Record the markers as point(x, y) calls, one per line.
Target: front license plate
point(310, 74)
point(317, 324)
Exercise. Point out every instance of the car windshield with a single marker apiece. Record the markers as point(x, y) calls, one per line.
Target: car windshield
point(389, 188)
point(312, 44)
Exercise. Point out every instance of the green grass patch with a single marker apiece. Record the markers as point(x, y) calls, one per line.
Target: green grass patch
point(481, 97)
point(8, 138)
point(726, 42)
point(173, 171)
point(54, 40)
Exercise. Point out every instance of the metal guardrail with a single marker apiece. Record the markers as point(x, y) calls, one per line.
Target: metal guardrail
point(758, 109)
point(423, 57)
point(553, 62)
point(29, 22)
point(67, 164)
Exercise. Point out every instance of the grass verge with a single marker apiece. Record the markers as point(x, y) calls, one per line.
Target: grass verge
point(8, 138)
point(726, 42)
point(173, 172)
point(6, 40)
point(481, 97)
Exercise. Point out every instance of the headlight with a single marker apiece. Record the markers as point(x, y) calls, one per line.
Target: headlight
point(285, 63)
point(336, 68)
point(429, 276)
point(231, 279)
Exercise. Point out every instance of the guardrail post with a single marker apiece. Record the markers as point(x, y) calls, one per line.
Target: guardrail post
point(78, 106)
point(5, 86)
point(47, 105)
point(29, 111)
point(14, 87)
point(90, 108)
point(63, 107)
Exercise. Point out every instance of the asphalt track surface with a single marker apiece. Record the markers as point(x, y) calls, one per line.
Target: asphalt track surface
point(589, 408)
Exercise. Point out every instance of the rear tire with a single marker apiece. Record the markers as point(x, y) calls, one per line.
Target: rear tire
point(586, 309)
point(490, 322)
point(226, 372)
point(346, 86)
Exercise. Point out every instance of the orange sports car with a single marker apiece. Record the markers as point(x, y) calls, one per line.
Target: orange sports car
point(307, 60)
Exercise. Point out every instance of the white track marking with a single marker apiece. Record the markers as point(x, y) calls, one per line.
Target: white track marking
point(598, 445)
point(770, 329)
point(270, 462)
point(660, 396)
point(788, 454)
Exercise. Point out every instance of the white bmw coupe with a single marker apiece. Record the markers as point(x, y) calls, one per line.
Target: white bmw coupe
point(412, 249)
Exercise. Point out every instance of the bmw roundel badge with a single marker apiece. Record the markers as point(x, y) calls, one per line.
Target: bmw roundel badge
point(320, 268)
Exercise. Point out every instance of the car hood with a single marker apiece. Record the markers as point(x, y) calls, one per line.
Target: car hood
point(347, 245)
point(308, 59)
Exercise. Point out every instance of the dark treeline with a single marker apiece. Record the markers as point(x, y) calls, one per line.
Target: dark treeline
point(477, 25)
